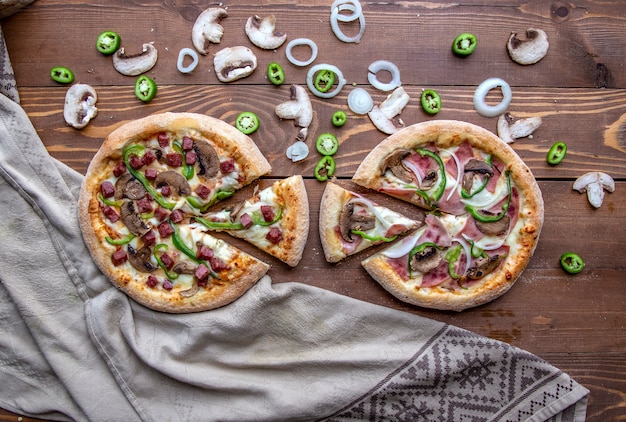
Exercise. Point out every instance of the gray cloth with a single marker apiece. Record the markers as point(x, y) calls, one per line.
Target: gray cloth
point(73, 347)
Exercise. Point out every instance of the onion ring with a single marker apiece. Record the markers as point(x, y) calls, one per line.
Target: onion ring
point(360, 101)
point(298, 42)
point(341, 81)
point(184, 52)
point(481, 92)
point(379, 65)
point(336, 17)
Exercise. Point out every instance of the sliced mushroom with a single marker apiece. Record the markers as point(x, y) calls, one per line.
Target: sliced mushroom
point(383, 115)
point(207, 29)
point(509, 129)
point(127, 186)
point(234, 63)
point(184, 267)
point(473, 168)
point(262, 32)
point(80, 105)
point(235, 210)
point(530, 50)
point(426, 260)
point(207, 157)
point(190, 291)
point(484, 266)
point(141, 259)
point(175, 180)
point(595, 183)
point(349, 221)
point(393, 162)
point(298, 108)
point(132, 220)
point(135, 64)
point(495, 228)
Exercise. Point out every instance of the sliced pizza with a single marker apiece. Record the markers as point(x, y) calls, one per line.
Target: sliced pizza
point(485, 214)
point(350, 223)
point(275, 220)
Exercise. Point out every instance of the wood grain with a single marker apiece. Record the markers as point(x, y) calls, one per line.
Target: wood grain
point(579, 89)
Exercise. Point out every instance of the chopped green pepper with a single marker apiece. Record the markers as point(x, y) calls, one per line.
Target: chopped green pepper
point(219, 225)
point(441, 187)
point(431, 101)
point(339, 118)
point(108, 42)
point(452, 256)
point(325, 168)
point(188, 169)
point(145, 88)
point(195, 202)
point(275, 73)
point(374, 238)
point(110, 202)
point(556, 154)
point(491, 218)
point(327, 144)
point(136, 149)
point(121, 241)
point(572, 263)
point(324, 80)
point(464, 44)
point(247, 122)
point(168, 274)
point(62, 75)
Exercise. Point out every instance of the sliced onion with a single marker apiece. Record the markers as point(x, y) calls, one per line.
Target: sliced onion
point(485, 199)
point(468, 252)
point(458, 172)
point(298, 42)
point(341, 81)
point(336, 17)
point(180, 63)
point(379, 65)
point(395, 103)
point(481, 92)
point(366, 203)
point(484, 243)
point(297, 151)
point(403, 247)
point(419, 175)
point(360, 101)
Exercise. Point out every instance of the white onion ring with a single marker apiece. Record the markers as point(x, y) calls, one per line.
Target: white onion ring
point(341, 81)
point(467, 249)
point(298, 42)
point(366, 203)
point(297, 151)
point(403, 247)
point(184, 52)
point(379, 65)
point(336, 17)
point(482, 243)
point(458, 173)
point(481, 92)
point(360, 101)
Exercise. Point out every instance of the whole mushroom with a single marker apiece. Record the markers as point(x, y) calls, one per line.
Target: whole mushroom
point(80, 105)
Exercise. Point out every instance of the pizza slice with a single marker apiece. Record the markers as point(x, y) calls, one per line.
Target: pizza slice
point(275, 220)
point(350, 223)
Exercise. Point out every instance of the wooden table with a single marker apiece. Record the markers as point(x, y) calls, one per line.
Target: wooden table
point(579, 89)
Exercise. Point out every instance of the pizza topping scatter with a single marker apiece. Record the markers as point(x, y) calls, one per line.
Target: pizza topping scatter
point(572, 263)
point(595, 183)
point(556, 153)
point(207, 29)
point(135, 64)
point(530, 50)
point(262, 32)
point(108, 42)
point(356, 13)
point(80, 105)
point(247, 122)
point(62, 75)
point(275, 73)
point(299, 109)
point(464, 44)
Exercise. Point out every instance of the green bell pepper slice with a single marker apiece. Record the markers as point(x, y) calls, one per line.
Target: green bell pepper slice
point(464, 44)
point(374, 238)
point(181, 246)
point(145, 88)
point(197, 204)
point(168, 274)
point(452, 256)
point(136, 149)
point(441, 187)
point(121, 241)
point(491, 218)
point(108, 42)
point(258, 219)
point(219, 225)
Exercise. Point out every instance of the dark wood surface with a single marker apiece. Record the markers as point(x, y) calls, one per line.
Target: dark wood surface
point(579, 89)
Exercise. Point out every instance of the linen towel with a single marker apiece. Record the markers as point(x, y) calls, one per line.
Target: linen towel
point(73, 347)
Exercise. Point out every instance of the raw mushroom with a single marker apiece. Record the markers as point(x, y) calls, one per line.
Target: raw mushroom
point(234, 63)
point(262, 32)
point(299, 109)
point(595, 183)
point(80, 105)
point(530, 50)
point(135, 64)
point(510, 130)
point(383, 115)
point(207, 29)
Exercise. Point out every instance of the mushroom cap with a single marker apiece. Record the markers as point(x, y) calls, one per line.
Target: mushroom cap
point(132, 220)
point(207, 158)
point(426, 260)
point(349, 220)
point(234, 63)
point(173, 179)
point(141, 259)
point(207, 29)
point(135, 64)
point(530, 50)
point(80, 105)
point(262, 32)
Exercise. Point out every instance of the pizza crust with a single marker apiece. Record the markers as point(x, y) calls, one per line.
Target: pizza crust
point(333, 199)
point(523, 238)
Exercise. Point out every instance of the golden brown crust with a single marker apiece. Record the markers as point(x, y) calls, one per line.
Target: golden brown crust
point(244, 270)
point(523, 238)
point(292, 197)
point(333, 199)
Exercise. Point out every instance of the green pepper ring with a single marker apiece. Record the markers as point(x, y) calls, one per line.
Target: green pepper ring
point(464, 44)
point(325, 168)
point(108, 42)
point(339, 118)
point(324, 80)
point(145, 88)
point(556, 154)
point(275, 73)
point(247, 122)
point(572, 263)
point(431, 101)
point(327, 144)
point(62, 75)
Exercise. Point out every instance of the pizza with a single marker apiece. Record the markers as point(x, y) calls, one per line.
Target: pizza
point(138, 202)
point(350, 223)
point(484, 214)
point(275, 220)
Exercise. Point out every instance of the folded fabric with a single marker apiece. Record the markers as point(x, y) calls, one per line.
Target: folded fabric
point(74, 347)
